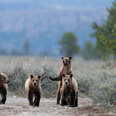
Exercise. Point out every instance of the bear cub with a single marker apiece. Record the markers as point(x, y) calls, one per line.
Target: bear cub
point(66, 68)
point(69, 91)
point(3, 87)
point(33, 89)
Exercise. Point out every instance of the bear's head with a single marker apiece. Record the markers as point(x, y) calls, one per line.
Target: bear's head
point(3, 78)
point(35, 80)
point(66, 60)
point(67, 80)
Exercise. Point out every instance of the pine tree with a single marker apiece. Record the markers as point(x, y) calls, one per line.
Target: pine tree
point(69, 44)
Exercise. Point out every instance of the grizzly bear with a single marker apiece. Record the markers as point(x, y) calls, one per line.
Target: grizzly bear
point(65, 69)
point(33, 89)
point(3, 87)
point(69, 91)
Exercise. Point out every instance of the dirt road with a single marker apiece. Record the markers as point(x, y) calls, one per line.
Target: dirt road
point(17, 106)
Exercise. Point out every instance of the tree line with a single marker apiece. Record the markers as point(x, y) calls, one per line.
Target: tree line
point(24, 51)
point(105, 34)
point(103, 48)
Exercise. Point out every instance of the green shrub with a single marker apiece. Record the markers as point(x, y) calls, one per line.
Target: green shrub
point(101, 89)
point(17, 78)
point(49, 87)
point(104, 92)
point(85, 84)
point(18, 75)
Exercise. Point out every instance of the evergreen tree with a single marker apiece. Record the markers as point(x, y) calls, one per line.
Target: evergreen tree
point(69, 44)
point(105, 34)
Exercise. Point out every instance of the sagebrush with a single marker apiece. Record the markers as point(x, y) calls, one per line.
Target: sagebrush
point(94, 80)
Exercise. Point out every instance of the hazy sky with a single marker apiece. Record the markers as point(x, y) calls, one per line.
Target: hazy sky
point(43, 20)
point(81, 3)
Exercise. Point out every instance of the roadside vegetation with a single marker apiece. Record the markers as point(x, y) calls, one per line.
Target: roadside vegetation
point(96, 79)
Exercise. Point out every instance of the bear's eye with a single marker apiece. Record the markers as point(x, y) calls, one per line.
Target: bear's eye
point(3, 79)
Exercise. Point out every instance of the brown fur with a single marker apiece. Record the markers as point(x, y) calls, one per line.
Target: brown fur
point(3, 87)
point(65, 69)
point(33, 89)
point(69, 91)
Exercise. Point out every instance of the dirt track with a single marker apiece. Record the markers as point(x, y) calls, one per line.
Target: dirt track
point(19, 107)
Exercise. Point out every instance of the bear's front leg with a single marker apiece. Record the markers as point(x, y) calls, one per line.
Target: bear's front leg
point(63, 100)
point(58, 96)
point(76, 100)
point(30, 97)
point(37, 99)
point(72, 103)
point(4, 96)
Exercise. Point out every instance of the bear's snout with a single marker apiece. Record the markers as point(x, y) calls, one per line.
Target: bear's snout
point(66, 83)
point(65, 63)
point(35, 84)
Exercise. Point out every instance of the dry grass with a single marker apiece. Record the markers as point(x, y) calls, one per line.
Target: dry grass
point(95, 80)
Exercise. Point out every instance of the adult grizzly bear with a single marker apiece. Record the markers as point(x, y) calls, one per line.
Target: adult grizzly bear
point(33, 89)
point(69, 91)
point(3, 87)
point(65, 69)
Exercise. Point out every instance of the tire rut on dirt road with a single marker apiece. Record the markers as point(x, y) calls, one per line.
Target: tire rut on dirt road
point(18, 106)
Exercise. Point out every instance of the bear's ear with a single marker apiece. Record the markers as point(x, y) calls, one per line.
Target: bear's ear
point(63, 75)
point(39, 77)
point(31, 76)
point(62, 57)
point(70, 58)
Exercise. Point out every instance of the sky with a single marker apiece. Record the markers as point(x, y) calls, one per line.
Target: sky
point(45, 21)
point(62, 3)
